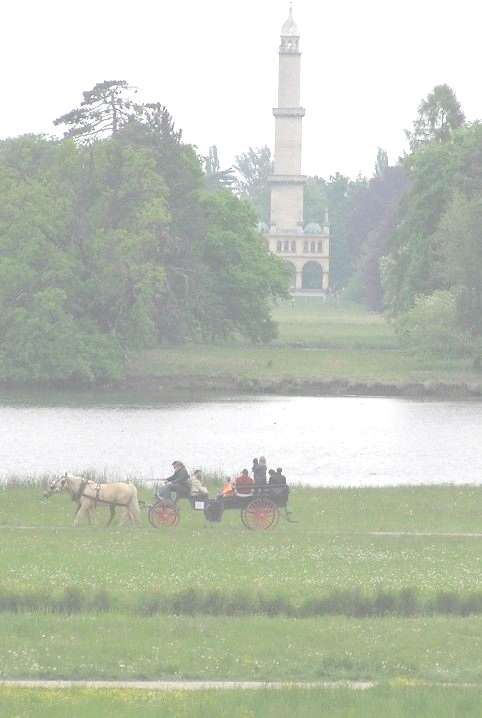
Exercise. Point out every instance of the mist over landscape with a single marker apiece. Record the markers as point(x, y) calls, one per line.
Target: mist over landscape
point(241, 360)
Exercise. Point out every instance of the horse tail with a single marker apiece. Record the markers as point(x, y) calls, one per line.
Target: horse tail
point(134, 508)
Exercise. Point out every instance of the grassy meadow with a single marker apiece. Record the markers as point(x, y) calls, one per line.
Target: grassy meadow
point(326, 598)
point(390, 702)
point(402, 702)
point(316, 341)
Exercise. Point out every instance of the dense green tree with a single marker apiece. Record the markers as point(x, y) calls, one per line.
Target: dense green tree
point(385, 192)
point(415, 263)
point(153, 129)
point(439, 114)
point(315, 200)
point(103, 112)
point(114, 244)
point(431, 326)
point(99, 277)
point(217, 178)
point(254, 168)
point(244, 277)
point(459, 238)
point(382, 163)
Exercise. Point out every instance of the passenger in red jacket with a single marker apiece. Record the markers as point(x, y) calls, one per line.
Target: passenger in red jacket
point(244, 483)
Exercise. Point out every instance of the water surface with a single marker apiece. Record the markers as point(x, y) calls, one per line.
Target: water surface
point(317, 441)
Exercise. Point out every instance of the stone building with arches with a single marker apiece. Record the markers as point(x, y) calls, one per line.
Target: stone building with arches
point(306, 248)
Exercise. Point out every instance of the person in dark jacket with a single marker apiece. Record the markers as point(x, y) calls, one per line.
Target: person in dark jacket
point(179, 483)
point(259, 472)
point(280, 477)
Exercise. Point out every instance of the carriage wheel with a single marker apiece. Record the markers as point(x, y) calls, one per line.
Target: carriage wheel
point(260, 515)
point(163, 513)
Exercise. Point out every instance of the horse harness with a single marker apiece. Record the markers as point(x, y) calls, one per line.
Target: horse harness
point(80, 493)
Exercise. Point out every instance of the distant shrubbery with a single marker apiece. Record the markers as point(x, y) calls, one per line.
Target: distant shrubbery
point(432, 326)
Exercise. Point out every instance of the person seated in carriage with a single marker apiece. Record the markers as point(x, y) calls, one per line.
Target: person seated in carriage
point(228, 488)
point(197, 487)
point(276, 478)
point(179, 483)
point(244, 484)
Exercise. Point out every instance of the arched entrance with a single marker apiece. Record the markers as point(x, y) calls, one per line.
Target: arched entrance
point(312, 276)
point(292, 272)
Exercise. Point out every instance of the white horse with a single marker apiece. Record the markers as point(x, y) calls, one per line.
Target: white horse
point(87, 494)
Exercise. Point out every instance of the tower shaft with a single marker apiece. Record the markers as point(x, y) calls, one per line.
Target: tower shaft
point(287, 181)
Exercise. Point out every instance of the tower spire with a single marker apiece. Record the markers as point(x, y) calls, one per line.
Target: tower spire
point(290, 28)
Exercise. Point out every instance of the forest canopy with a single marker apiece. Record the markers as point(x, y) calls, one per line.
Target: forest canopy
point(111, 241)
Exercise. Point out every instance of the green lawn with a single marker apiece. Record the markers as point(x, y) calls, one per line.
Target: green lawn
point(116, 646)
point(309, 322)
point(316, 341)
point(329, 548)
point(385, 702)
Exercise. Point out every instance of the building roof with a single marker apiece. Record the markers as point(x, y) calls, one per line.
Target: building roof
point(290, 28)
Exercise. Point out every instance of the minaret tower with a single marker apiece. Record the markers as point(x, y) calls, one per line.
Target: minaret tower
point(287, 181)
point(287, 236)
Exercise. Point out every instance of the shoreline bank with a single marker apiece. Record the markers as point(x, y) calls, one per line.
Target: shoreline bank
point(165, 388)
point(293, 386)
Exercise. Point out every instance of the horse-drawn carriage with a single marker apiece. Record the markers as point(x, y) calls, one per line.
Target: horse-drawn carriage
point(259, 509)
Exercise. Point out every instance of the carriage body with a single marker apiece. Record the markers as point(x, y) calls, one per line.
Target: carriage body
point(259, 509)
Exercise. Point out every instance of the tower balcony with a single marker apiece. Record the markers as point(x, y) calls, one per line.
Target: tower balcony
point(287, 179)
point(289, 111)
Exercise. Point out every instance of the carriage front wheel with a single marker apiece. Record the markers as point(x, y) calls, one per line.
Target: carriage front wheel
point(163, 513)
point(260, 515)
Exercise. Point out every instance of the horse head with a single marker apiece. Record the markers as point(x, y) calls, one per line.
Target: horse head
point(55, 486)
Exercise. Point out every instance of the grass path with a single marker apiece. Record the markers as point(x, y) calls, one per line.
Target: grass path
point(192, 685)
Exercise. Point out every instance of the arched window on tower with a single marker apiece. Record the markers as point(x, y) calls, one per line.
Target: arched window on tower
point(313, 247)
point(279, 247)
point(320, 248)
point(286, 247)
point(293, 246)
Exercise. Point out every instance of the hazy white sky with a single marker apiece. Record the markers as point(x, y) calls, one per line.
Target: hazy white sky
point(366, 66)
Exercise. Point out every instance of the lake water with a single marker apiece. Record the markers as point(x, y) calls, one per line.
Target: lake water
point(317, 441)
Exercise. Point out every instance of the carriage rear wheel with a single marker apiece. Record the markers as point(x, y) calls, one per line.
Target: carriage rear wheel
point(260, 515)
point(163, 513)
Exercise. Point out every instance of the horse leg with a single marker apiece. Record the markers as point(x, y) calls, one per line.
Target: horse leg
point(135, 511)
point(124, 516)
point(82, 510)
point(112, 514)
point(91, 506)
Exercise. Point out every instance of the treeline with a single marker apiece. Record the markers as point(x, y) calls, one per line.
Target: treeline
point(120, 237)
point(113, 239)
point(407, 241)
